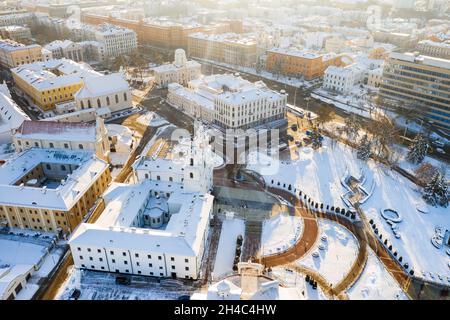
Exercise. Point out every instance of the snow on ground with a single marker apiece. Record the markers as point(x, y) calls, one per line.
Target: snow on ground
point(318, 173)
point(338, 252)
point(101, 286)
point(376, 283)
point(351, 103)
point(25, 247)
point(231, 229)
point(280, 232)
point(292, 279)
point(151, 119)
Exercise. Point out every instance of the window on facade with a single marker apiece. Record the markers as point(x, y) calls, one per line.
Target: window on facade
point(159, 258)
point(186, 268)
point(117, 98)
point(186, 260)
point(81, 257)
point(107, 101)
point(51, 145)
point(66, 146)
point(80, 146)
point(191, 175)
point(98, 103)
point(63, 168)
point(89, 104)
point(124, 254)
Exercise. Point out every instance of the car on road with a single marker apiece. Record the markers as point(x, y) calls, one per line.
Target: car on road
point(290, 138)
point(184, 297)
point(123, 280)
point(294, 127)
point(307, 140)
point(298, 143)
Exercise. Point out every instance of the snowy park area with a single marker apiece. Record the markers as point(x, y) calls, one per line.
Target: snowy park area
point(36, 250)
point(231, 229)
point(318, 174)
point(334, 252)
point(280, 232)
point(375, 283)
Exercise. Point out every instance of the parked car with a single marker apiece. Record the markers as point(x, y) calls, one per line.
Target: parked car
point(298, 143)
point(308, 133)
point(75, 294)
point(123, 280)
point(294, 127)
point(184, 297)
point(290, 138)
point(307, 140)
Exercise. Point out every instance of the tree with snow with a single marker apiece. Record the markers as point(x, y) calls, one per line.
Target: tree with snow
point(364, 148)
point(418, 149)
point(436, 191)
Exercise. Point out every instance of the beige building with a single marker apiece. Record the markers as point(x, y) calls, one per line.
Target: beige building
point(58, 174)
point(230, 48)
point(50, 189)
point(434, 49)
point(425, 80)
point(13, 54)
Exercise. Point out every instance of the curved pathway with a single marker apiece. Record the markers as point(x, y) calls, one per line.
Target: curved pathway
point(307, 240)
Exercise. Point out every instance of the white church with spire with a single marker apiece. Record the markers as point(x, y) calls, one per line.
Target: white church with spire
point(180, 71)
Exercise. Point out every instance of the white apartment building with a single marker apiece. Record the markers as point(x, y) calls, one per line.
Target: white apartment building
point(116, 40)
point(180, 71)
point(375, 78)
point(66, 49)
point(343, 79)
point(152, 228)
point(230, 101)
point(20, 18)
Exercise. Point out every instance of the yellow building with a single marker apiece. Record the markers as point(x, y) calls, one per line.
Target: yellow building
point(13, 54)
point(51, 82)
point(50, 189)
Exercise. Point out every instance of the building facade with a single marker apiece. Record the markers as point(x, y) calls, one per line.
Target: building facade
point(343, 79)
point(410, 77)
point(230, 48)
point(50, 189)
point(300, 63)
point(180, 71)
point(434, 49)
point(159, 229)
point(13, 54)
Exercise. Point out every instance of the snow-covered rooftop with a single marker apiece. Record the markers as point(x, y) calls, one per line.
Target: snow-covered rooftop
point(102, 85)
point(54, 73)
point(183, 234)
point(61, 198)
point(59, 131)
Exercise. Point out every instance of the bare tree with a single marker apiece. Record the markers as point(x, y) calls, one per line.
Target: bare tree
point(324, 115)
